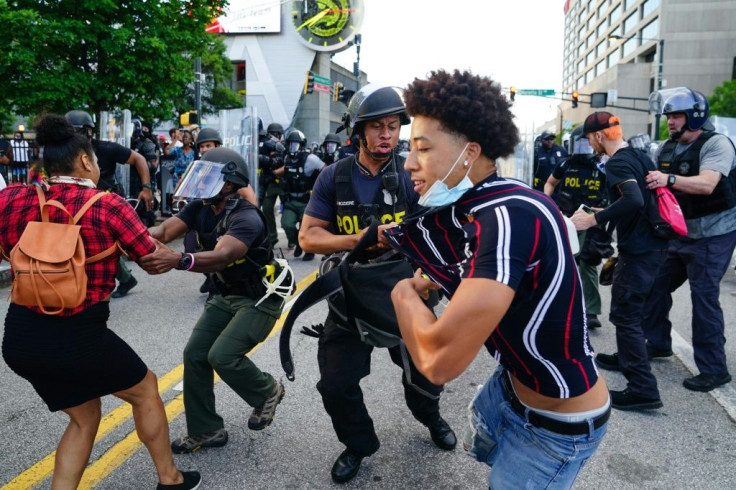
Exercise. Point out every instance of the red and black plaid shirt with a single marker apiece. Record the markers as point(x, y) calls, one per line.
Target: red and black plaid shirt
point(110, 219)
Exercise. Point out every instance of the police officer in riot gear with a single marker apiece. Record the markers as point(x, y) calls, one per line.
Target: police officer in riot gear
point(580, 180)
point(141, 142)
point(347, 197)
point(329, 149)
point(207, 139)
point(270, 159)
point(276, 131)
point(297, 177)
point(251, 289)
point(698, 165)
point(547, 155)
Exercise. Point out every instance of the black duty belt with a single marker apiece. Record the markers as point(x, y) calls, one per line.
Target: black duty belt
point(543, 422)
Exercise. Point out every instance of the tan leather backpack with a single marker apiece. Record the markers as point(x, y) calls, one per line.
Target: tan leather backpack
point(48, 261)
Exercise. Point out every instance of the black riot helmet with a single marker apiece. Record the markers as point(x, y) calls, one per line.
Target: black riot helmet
point(235, 170)
point(137, 128)
point(82, 122)
point(690, 102)
point(275, 129)
point(208, 134)
point(331, 143)
point(295, 142)
point(578, 143)
point(373, 102)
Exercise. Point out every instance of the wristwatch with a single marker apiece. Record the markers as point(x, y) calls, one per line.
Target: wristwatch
point(185, 262)
point(148, 186)
point(671, 180)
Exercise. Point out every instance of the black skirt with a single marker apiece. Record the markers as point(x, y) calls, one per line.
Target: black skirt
point(69, 360)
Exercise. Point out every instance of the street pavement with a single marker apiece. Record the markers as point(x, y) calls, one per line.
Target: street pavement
point(689, 444)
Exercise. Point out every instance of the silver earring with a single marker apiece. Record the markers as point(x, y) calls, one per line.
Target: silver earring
point(465, 163)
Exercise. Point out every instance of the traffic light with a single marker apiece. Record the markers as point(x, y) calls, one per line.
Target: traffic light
point(346, 95)
point(188, 118)
point(575, 99)
point(512, 93)
point(337, 92)
point(309, 83)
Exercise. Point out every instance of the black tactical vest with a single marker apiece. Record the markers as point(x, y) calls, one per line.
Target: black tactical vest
point(294, 181)
point(687, 164)
point(582, 183)
point(352, 216)
point(243, 276)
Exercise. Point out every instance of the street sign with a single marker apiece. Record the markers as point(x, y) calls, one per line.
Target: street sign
point(319, 87)
point(543, 92)
point(322, 80)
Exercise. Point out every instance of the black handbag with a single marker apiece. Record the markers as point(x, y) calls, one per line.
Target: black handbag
point(596, 246)
point(359, 295)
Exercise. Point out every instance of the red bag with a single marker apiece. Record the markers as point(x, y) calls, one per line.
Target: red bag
point(673, 221)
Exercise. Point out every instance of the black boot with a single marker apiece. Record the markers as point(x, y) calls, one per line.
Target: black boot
point(125, 287)
point(442, 435)
point(347, 465)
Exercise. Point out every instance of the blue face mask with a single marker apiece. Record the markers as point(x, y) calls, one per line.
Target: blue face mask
point(439, 195)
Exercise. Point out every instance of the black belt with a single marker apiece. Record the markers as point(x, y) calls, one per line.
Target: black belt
point(543, 422)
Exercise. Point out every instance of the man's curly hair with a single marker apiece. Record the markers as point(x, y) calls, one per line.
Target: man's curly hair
point(467, 105)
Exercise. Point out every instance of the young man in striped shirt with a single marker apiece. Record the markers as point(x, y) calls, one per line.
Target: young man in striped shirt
point(499, 249)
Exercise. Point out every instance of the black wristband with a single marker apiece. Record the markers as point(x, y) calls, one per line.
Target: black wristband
point(148, 186)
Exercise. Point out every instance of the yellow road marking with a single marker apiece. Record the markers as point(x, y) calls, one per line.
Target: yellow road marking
point(121, 451)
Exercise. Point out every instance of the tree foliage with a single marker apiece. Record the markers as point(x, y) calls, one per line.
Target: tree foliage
point(723, 101)
point(110, 55)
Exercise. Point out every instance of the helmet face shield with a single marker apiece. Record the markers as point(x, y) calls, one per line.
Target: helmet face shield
point(640, 141)
point(201, 180)
point(581, 146)
point(681, 99)
point(294, 147)
point(330, 148)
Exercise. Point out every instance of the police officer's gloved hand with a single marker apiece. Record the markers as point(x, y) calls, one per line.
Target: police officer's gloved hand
point(314, 330)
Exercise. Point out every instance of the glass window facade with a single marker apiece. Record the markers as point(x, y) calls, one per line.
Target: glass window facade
point(630, 46)
point(651, 30)
point(648, 7)
point(615, 14)
point(613, 57)
point(600, 67)
point(630, 23)
point(601, 48)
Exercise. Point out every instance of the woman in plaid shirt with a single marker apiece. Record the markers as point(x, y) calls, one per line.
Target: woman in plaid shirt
point(72, 359)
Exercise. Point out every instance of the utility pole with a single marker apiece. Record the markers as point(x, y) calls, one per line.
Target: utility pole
point(198, 88)
point(659, 87)
point(356, 65)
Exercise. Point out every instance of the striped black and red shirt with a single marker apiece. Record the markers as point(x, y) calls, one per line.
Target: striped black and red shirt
point(505, 231)
point(110, 219)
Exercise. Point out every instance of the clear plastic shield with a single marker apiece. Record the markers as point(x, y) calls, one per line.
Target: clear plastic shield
point(657, 99)
point(202, 180)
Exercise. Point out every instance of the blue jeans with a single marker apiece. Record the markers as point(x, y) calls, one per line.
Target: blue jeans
point(521, 455)
point(703, 262)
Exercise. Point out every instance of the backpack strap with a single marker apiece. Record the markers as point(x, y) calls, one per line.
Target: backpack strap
point(87, 205)
point(78, 216)
point(73, 220)
point(43, 204)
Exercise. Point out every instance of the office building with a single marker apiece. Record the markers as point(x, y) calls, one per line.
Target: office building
point(618, 48)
